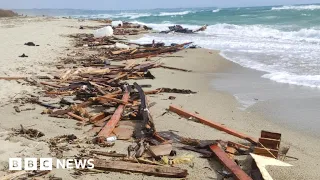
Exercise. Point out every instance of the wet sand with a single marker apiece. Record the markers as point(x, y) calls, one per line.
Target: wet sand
point(211, 101)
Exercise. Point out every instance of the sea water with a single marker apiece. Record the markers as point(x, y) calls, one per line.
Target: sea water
point(281, 41)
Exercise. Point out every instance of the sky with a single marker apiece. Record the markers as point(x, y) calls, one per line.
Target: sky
point(141, 4)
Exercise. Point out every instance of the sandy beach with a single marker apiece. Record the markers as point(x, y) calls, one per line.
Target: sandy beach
point(214, 102)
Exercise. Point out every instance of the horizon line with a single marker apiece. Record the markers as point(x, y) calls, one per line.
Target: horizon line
point(159, 8)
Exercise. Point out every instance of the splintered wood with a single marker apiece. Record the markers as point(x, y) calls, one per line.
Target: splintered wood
point(220, 127)
point(109, 127)
point(120, 166)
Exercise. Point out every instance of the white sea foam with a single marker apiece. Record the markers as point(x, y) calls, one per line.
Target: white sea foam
point(299, 8)
point(216, 10)
point(286, 56)
point(174, 13)
point(303, 80)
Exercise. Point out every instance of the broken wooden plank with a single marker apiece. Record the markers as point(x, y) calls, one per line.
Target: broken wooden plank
point(161, 171)
point(238, 173)
point(174, 68)
point(231, 151)
point(101, 122)
point(79, 118)
point(12, 78)
point(110, 99)
point(217, 126)
point(109, 154)
point(52, 85)
point(121, 51)
point(97, 117)
point(266, 152)
point(270, 143)
point(109, 127)
point(238, 145)
point(271, 135)
point(118, 77)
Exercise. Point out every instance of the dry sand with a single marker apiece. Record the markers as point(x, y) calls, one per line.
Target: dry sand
point(217, 106)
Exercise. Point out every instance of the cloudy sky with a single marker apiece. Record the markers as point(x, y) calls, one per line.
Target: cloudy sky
point(140, 4)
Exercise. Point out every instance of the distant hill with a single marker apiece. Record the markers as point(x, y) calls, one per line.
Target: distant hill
point(7, 13)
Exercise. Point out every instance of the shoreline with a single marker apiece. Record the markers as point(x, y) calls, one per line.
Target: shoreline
point(217, 105)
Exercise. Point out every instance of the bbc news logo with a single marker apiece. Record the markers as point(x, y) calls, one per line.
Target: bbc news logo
point(17, 164)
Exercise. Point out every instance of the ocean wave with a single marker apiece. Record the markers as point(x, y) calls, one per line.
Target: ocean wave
point(250, 31)
point(260, 31)
point(216, 10)
point(174, 13)
point(302, 80)
point(299, 8)
point(285, 56)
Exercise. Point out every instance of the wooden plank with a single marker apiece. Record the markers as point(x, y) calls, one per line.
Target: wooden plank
point(266, 152)
point(110, 154)
point(97, 117)
point(101, 122)
point(161, 171)
point(104, 99)
point(271, 135)
point(109, 127)
point(238, 145)
point(121, 51)
point(237, 172)
point(118, 77)
point(52, 85)
point(231, 151)
point(79, 118)
point(130, 65)
point(217, 126)
point(12, 78)
point(270, 143)
point(174, 68)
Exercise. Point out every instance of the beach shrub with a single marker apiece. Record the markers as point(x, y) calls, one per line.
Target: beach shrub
point(7, 13)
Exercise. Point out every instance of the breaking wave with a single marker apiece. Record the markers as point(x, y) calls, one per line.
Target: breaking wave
point(174, 13)
point(299, 8)
point(216, 10)
point(286, 56)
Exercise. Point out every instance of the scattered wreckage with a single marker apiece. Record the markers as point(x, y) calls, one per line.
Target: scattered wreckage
point(122, 112)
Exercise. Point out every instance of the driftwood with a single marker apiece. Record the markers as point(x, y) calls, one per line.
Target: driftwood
point(108, 128)
point(220, 127)
point(154, 170)
point(238, 173)
point(110, 154)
